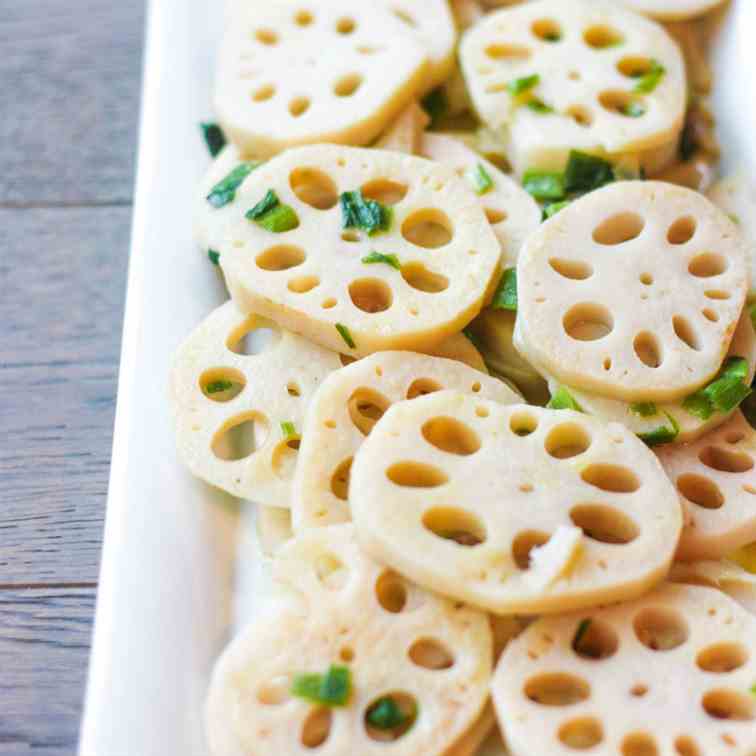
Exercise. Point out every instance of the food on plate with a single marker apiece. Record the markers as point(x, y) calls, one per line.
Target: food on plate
point(345, 409)
point(363, 662)
point(724, 575)
point(558, 75)
point(671, 672)
point(673, 10)
point(406, 133)
point(239, 389)
point(360, 250)
point(559, 520)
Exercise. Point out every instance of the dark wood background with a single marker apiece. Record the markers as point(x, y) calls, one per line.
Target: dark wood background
point(70, 79)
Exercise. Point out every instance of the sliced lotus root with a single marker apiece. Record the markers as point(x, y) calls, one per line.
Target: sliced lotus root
point(725, 576)
point(633, 291)
point(670, 673)
point(420, 275)
point(647, 417)
point(239, 388)
point(418, 666)
point(672, 10)
point(346, 408)
point(716, 480)
point(470, 743)
point(273, 528)
point(574, 74)
point(406, 133)
point(737, 197)
point(294, 73)
point(559, 520)
point(511, 211)
point(461, 349)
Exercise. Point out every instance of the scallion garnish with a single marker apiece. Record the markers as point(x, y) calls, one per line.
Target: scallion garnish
point(369, 215)
point(331, 689)
point(724, 393)
point(289, 429)
point(523, 84)
point(544, 186)
point(662, 435)
point(225, 190)
point(563, 400)
point(550, 210)
point(644, 409)
point(213, 256)
point(632, 109)
point(344, 333)
point(539, 106)
point(650, 80)
point(385, 714)
point(379, 257)
point(480, 179)
point(505, 297)
point(214, 137)
point(273, 216)
point(585, 172)
point(582, 629)
point(215, 387)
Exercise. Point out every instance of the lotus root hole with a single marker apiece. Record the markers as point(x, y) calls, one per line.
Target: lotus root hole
point(730, 704)
point(416, 475)
point(366, 407)
point(575, 270)
point(429, 228)
point(588, 322)
point(707, 265)
point(280, 257)
point(431, 653)
point(611, 478)
point(686, 333)
point(347, 85)
point(422, 279)
point(314, 187)
point(284, 458)
point(523, 424)
point(241, 437)
point(391, 592)
point(700, 491)
point(619, 228)
point(303, 18)
point(254, 336)
point(682, 230)
point(275, 692)
point(453, 524)
point(303, 284)
point(266, 37)
point(686, 746)
point(422, 387)
point(386, 191)
point(524, 543)
point(581, 115)
point(222, 384)
point(408, 707)
point(293, 389)
point(330, 571)
point(340, 480)
point(567, 440)
point(661, 629)
point(316, 727)
point(647, 349)
point(405, 17)
point(722, 658)
point(500, 51)
point(557, 689)
point(622, 103)
point(495, 215)
point(634, 66)
point(581, 734)
point(639, 690)
point(263, 93)
point(595, 640)
point(604, 524)
point(371, 295)
point(345, 25)
point(450, 435)
point(547, 30)
point(639, 744)
point(725, 460)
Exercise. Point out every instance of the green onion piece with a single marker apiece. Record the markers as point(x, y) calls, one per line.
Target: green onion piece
point(215, 387)
point(550, 210)
point(385, 714)
point(289, 429)
point(539, 106)
point(582, 629)
point(435, 105)
point(563, 400)
point(644, 409)
point(271, 215)
point(649, 81)
point(265, 205)
point(331, 689)
point(344, 333)
point(505, 297)
point(633, 109)
point(734, 218)
point(215, 139)
point(544, 186)
point(480, 179)
point(753, 689)
point(524, 84)
point(724, 393)
point(663, 434)
point(585, 172)
point(368, 215)
point(378, 257)
point(213, 256)
point(225, 190)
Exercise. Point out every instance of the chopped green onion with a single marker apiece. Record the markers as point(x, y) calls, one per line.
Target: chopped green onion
point(215, 139)
point(215, 387)
point(368, 215)
point(385, 714)
point(544, 186)
point(582, 629)
point(585, 172)
point(644, 409)
point(539, 106)
point(663, 434)
point(650, 80)
point(505, 297)
point(379, 257)
point(734, 218)
point(753, 689)
point(563, 400)
point(632, 109)
point(213, 256)
point(480, 179)
point(331, 689)
point(271, 215)
point(435, 105)
point(344, 333)
point(225, 190)
point(289, 429)
point(724, 393)
point(524, 84)
point(550, 210)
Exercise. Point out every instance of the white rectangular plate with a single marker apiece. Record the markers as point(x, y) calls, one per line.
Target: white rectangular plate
point(166, 592)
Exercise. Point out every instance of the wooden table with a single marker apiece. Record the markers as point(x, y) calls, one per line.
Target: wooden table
point(70, 80)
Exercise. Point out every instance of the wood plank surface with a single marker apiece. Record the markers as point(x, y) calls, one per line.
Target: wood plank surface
point(70, 78)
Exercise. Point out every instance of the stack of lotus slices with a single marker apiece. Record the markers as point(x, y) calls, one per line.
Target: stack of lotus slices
point(458, 570)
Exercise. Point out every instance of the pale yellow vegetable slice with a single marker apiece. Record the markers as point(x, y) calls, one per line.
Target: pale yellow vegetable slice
point(672, 10)
point(461, 349)
point(406, 133)
point(724, 575)
point(273, 528)
point(300, 73)
point(633, 292)
point(716, 480)
point(470, 743)
point(691, 427)
point(314, 279)
point(234, 382)
point(511, 211)
point(345, 409)
point(395, 639)
point(670, 673)
point(559, 520)
point(736, 195)
point(587, 55)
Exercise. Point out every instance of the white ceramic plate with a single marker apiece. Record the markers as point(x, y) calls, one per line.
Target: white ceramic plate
point(168, 585)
